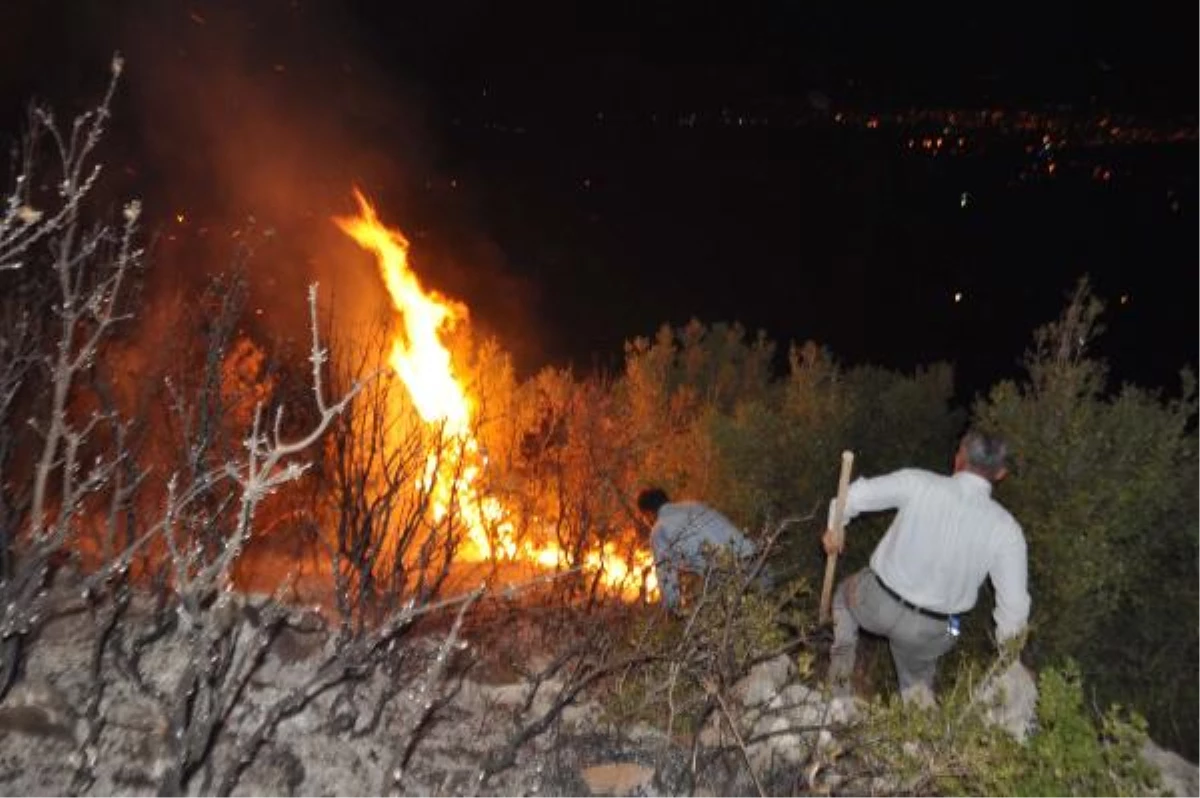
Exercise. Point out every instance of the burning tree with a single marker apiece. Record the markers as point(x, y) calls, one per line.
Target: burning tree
point(409, 496)
point(455, 476)
point(381, 540)
point(68, 289)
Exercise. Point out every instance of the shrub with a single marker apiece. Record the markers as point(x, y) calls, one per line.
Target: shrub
point(952, 750)
point(1105, 488)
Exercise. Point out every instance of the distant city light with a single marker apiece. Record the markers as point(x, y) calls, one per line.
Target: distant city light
point(958, 296)
point(964, 199)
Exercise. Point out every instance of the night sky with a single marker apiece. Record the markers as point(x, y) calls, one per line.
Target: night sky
point(902, 184)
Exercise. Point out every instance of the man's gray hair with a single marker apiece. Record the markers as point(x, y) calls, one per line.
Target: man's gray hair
point(986, 454)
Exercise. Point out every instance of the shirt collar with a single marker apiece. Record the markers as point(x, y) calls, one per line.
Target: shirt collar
point(977, 482)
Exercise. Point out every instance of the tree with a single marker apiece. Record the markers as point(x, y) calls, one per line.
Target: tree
point(1105, 488)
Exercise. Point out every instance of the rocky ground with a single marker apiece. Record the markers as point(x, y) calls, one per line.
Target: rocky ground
point(484, 729)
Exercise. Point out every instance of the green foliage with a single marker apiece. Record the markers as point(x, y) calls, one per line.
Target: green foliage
point(952, 749)
point(779, 455)
point(1105, 488)
point(1105, 485)
point(903, 421)
point(1069, 755)
point(764, 449)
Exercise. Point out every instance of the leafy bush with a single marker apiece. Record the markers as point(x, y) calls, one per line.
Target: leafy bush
point(1105, 488)
point(952, 750)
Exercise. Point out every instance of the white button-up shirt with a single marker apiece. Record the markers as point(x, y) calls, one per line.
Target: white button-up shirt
point(947, 537)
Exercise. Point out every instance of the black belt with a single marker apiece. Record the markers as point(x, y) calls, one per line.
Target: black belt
point(937, 616)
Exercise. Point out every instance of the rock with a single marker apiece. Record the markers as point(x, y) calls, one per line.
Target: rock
point(843, 709)
point(805, 707)
point(778, 745)
point(784, 729)
point(793, 696)
point(713, 734)
point(643, 733)
point(34, 721)
point(126, 708)
point(582, 715)
point(1013, 698)
point(475, 697)
point(275, 771)
point(36, 707)
point(618, 778)
point(764, 681)
point(295, 646)
point(1179, 776)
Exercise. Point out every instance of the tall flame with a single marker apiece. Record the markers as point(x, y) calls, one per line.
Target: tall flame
point(419, 358)
point(423, 362)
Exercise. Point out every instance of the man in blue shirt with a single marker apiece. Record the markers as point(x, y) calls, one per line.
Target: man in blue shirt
point(684, 537)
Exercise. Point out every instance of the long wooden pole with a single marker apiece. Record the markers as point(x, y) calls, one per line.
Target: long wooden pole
point(837, 525)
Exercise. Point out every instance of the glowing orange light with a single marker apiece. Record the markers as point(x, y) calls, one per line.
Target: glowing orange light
point(423, 362)
point(419, 358)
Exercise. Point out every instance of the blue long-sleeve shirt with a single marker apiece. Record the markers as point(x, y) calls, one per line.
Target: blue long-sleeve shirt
point(679, 538)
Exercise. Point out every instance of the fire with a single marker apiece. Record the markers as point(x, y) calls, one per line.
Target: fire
point(423, 362)
point(419, 357)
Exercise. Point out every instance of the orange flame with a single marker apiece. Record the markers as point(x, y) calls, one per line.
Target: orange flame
point(419, 358)
point(423, 362)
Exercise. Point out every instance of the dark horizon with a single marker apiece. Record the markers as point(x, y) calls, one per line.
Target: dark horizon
point(580, 176)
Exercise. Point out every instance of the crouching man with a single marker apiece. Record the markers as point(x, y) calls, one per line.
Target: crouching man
point(686, 536)
point(947, 537)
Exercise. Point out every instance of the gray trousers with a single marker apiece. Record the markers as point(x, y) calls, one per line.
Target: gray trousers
point(916, 640)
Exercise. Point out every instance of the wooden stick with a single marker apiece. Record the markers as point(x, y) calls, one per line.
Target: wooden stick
point(837, 524)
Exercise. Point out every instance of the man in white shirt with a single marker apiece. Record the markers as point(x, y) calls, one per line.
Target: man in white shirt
point(947, 537)
point(683, 536)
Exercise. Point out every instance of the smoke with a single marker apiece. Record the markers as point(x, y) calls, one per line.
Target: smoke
point(253, 124)
point(248, 125)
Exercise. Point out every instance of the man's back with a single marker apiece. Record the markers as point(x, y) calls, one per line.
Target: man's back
point(947, 536)
point(683, 528)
